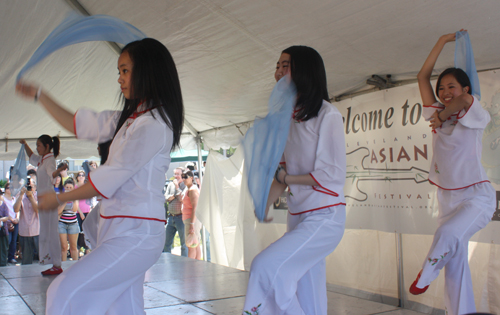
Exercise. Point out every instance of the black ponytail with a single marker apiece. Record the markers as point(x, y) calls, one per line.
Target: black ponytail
point(53, 142)
point(56, 145)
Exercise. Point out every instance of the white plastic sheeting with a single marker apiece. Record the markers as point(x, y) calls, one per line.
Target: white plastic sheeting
point(225, 208)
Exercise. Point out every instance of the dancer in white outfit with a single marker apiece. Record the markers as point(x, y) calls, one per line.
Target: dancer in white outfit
point(49, 243)
point(131, 231)
point(289, 277)
point(465, 196)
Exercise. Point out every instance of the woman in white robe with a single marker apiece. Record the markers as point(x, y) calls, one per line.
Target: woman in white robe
point(289, 276)
point(131, 230)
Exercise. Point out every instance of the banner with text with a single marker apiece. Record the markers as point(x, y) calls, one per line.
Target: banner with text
point(389, 149)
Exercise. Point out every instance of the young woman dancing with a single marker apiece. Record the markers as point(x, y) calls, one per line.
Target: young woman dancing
point(131, 231)
point(466, 199)
point(289, 276)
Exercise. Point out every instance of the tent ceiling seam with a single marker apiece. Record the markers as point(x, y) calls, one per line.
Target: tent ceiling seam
point(237, 24)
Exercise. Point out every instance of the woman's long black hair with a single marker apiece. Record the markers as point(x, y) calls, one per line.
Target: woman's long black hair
point(155, 84)
point(309, 75)
point(61, 186)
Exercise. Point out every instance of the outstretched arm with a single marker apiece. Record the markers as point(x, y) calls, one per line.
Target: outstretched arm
point(26, 147)
point(59, 113)
point(49, 200)
point(424, 76)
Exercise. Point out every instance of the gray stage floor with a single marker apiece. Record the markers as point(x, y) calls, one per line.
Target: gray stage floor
point(174, 285)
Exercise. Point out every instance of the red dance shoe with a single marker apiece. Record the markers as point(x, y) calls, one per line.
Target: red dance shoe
point(52, 271)
point(413, 288)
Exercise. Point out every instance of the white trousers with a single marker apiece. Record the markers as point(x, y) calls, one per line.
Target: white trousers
point(110, 279)
point(49, 241)
point(462, 213)
point(289, 276)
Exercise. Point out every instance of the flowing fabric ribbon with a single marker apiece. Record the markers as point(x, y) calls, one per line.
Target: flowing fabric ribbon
point(18, 172)
point(265, 141)
point(78, 29)
point(464, 59)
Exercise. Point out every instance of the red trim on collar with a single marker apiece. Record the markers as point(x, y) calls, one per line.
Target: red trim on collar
point(484, 181)
point(137, 114)
point(91, 183)
point(432, 106)
point(44, 157)
point(295, 111)
point(132, 217)
point(458, 114)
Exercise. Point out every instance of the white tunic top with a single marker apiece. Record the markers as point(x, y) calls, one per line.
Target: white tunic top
point(132, 179)
point(317, 147)
point(46, 166)
point(457, 146)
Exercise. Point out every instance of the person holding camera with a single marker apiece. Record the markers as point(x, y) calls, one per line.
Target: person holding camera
point(29, 224)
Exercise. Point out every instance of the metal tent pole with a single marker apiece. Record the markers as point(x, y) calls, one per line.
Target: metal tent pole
point(401, 283)
point(200, 175)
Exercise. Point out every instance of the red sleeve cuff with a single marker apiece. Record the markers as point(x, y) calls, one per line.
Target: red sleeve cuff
point(74, 124)
point(326, 190)
point(91, 183)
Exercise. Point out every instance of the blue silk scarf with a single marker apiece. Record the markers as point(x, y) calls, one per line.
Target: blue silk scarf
point(265, 141)
point(78, 29)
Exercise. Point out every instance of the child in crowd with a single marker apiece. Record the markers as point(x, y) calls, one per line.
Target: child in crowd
point(68, 224)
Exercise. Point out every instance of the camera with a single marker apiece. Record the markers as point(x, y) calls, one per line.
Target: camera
point(28, 183)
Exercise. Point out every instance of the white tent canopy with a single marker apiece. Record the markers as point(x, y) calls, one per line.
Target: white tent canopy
point(225, 52)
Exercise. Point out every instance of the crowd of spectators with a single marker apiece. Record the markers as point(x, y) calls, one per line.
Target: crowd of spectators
point(20, 226)
point(19, 220)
